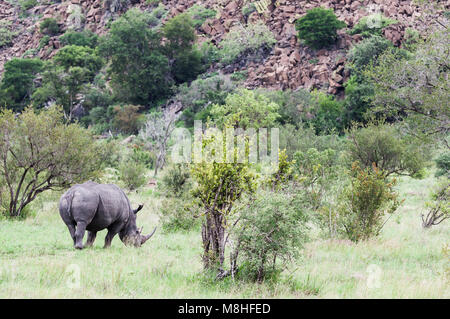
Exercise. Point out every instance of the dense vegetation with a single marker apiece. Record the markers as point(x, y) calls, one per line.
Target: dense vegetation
point(339, 159)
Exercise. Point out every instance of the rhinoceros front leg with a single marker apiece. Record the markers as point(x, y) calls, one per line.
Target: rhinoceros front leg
point(79, 234)
point(91, 238)
point(113, 230)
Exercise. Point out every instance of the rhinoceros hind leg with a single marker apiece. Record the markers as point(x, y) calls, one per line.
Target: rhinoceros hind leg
point(91, 238)
point(79, 234)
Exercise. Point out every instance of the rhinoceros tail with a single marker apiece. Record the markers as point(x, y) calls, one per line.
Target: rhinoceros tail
point(68, 205)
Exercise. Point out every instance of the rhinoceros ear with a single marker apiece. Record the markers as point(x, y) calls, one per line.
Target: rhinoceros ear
point(138, 209)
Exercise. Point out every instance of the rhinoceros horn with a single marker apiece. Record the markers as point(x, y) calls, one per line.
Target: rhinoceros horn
point(145, 238)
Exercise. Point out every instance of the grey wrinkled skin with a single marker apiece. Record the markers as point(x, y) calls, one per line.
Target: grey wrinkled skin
point(93, 207)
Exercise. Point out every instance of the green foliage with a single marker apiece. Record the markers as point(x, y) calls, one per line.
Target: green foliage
point(144, 157)
point(318, 28)
point(439, 206)
point(197, 98)
point(175, 180)
point(7, 34)
point(443, 164)
point(384, 146)
point(127, 118)
point(176, 214)
point(132, 174)
point(358, 99)
point(294, 105)
point(218, 186)
point(43, 41)
point(372, 25)
point(79, 56)
point(199, 14)
point(85, 38)
point(248, 9)
point(246, 41)
point(366, 52)
point(62, 86)
point(49, 26)
point(40, 152)
point(17, 84)
point(27, 4)
point(187, 66)
point(327, 112)
point(365, 201)
point(415, 88)
point(138, 66)
point(245, 109)
point(271, 229)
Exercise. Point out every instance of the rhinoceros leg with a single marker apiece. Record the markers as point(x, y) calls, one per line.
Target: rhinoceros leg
point(79, 234)
point(113, 230)
point(91, 238)
point(71, 228)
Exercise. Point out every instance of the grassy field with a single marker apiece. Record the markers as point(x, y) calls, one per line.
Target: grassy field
point(37, 260)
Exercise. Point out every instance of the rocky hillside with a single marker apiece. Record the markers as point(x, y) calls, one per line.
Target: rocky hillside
point(289, 65)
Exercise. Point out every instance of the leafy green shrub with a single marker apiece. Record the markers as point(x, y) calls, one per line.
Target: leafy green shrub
point(364, 202)
point(49, 26)
point(367, 51)
point(17, 84)
point(79, 56)
point(269, 234)
point(85, 38)
point(132, 174)
point(246, 110)
point(327, 112)
point(383, 145)
point(443, 164)
point(127, 118)
point(43, 41)
point(439, 207)
point(318, 28)
point(143, 157)
point(199, 14)
point(248, 9)
point(7, 34)
point(27, 4)
point(372, 25)
point(176, 216)
point(245, 41)
point(175, 180)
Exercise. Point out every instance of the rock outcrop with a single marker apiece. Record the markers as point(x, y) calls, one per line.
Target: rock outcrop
point(289, 65)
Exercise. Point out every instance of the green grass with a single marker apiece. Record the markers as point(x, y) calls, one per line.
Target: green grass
point(37, 260)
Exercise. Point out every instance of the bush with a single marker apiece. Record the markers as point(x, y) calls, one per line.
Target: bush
point(176, 215)
point(364, 202)
point(271, 229)
point(383, 145)
point(439, 207)
point(367, 51)
point(443, 164)
point(7, 34)
point(372, 25)
point(132, 174)
point(327, 113)
point(85, 38)
point(127, 118)
point(318, 28)
point(79, 56)
point(246, 41)
point(49, 26)
point(27, 4)
point(143, 157)
point(175, 180)
point(246, 110)
point(17, 84)
point(199, 14)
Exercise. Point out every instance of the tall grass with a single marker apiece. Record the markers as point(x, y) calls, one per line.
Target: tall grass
point(37, 260)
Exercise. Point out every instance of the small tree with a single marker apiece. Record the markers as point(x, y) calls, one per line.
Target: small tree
point(318, 28)
point(439, 208)
point(40, 152)
point(384, 146)
point(271, 229)
point(156, 133)
point(365, 201)
point(219, 185)
point(49, 26)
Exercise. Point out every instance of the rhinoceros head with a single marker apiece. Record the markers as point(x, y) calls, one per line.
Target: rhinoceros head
point(131, 235)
